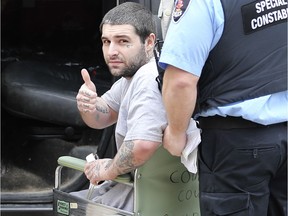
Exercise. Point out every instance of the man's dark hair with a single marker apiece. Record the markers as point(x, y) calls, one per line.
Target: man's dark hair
point(131, 13)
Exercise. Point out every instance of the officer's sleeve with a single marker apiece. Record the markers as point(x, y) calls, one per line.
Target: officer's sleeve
point(189, 37)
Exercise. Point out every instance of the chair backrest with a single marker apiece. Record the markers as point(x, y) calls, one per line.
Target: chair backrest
point(164, 187)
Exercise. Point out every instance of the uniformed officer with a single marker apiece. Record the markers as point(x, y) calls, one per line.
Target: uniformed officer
point(225, 63)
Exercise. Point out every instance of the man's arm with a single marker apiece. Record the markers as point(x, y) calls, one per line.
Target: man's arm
point(131, 155)
point(93, 109)
point(179, 96)
point(100, 116)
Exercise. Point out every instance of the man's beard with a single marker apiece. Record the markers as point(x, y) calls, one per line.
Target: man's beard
point(133, 65)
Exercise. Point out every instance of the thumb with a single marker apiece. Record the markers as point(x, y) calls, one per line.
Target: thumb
point(87, 80)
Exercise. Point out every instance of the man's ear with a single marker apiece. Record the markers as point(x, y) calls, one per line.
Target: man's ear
point(150, 42)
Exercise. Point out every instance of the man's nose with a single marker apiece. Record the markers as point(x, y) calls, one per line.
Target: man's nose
point(113, 50)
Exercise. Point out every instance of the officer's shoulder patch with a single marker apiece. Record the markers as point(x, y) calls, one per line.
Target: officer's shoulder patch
point(179, 9)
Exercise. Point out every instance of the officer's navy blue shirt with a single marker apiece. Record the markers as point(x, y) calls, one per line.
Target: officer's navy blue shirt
point(192, 34)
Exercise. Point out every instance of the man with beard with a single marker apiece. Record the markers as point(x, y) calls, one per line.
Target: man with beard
point(133, 102)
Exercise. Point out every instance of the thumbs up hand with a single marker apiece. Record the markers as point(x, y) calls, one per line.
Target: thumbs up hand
point(88, 83)
point(87, 95)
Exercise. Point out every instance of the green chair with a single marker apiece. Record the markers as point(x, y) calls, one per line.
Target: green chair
point(162, 187)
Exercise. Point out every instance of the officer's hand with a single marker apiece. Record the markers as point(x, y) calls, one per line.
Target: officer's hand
point(174, 144)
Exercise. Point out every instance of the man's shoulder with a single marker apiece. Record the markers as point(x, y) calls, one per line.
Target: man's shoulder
point(147, 72)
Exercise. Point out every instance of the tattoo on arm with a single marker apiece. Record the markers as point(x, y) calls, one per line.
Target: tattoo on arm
point(125, 160)
point(102, 109)
point(97, 117)
point(108, 164)
point(97, 170)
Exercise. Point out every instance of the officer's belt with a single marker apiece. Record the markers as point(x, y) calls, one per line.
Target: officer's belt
point(229, 122)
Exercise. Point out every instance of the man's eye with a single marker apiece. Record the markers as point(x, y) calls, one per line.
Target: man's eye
point(123, 41)
point(105, 41)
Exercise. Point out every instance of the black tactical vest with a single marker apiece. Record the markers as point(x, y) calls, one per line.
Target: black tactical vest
point(250, 60)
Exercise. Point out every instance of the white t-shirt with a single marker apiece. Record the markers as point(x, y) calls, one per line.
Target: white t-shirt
point(138, 101)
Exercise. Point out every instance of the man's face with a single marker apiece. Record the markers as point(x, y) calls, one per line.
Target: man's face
point(122, 49)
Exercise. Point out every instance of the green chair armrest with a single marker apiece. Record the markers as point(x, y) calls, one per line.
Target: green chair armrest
point(72, 162)
point(124, 178)
point(78, 164)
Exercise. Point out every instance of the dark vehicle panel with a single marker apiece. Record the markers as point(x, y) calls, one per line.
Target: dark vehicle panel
point(44, 45)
